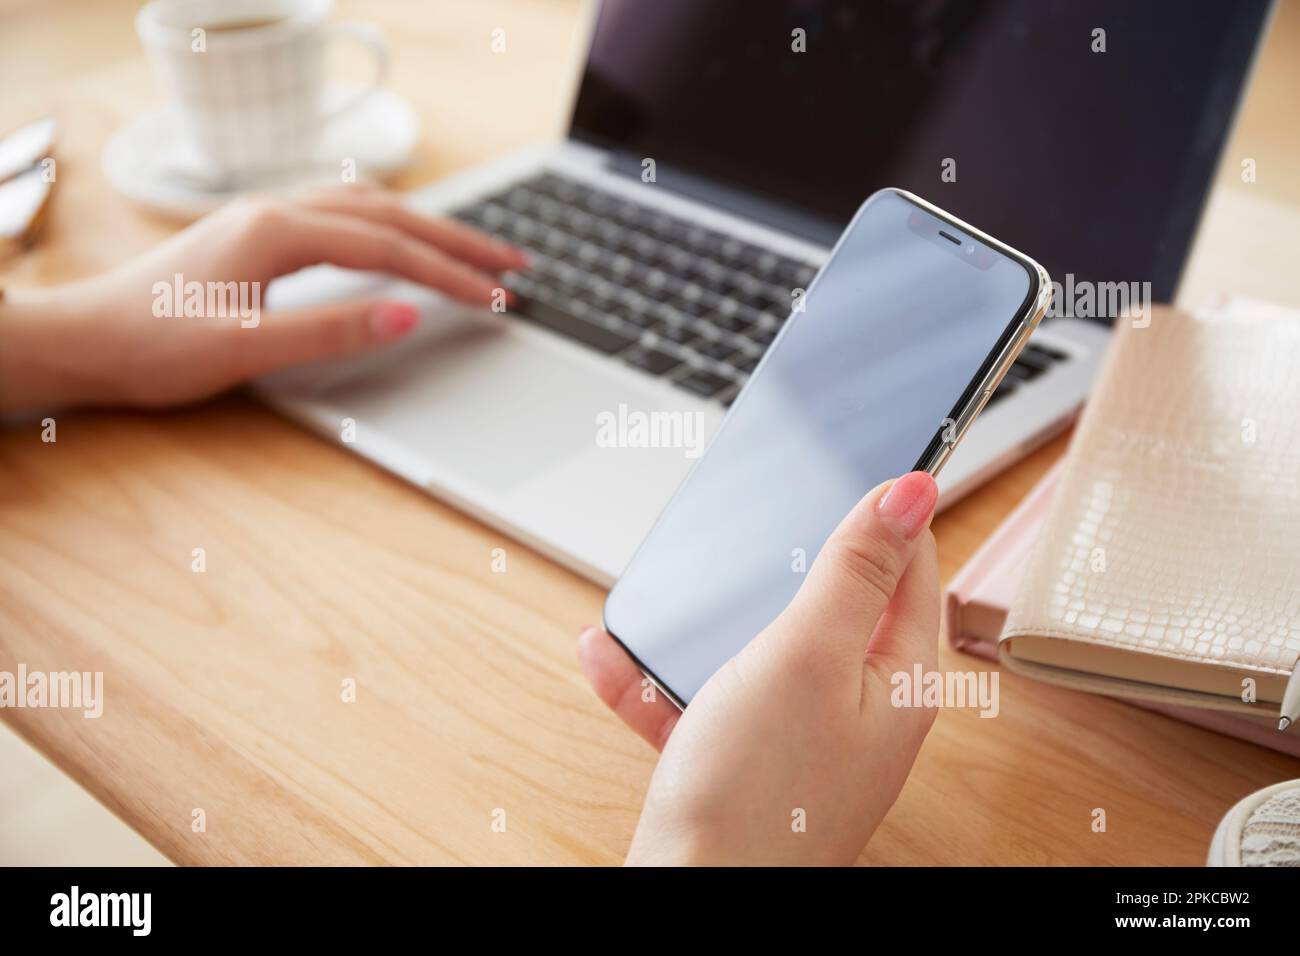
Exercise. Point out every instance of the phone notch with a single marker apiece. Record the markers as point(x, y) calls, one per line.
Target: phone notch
point(952, 240)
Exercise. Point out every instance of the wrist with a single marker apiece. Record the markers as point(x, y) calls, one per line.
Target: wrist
point(45, 360)
point(674, 847)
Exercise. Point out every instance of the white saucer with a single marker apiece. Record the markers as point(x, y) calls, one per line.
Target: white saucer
point(150, 161)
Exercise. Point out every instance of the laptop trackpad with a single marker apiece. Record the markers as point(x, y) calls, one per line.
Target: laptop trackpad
point(474, 398)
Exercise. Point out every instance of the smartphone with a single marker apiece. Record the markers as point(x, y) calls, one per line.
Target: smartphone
point(879, 370)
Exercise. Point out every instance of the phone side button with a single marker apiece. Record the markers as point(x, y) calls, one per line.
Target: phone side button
point(974, 410)
point(944, 454)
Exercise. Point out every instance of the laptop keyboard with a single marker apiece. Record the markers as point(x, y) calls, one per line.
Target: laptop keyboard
point(671, 298)
point(1033, 361)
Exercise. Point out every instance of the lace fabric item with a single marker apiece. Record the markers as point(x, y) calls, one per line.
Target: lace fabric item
point(1271, 836)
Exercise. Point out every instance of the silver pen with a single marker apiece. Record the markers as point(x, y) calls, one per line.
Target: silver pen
point(1291, 699)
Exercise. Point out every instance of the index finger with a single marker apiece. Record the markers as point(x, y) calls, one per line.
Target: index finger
point(456, 239)
point(305, 237)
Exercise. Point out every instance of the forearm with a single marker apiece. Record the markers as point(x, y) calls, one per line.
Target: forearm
point(47, 359)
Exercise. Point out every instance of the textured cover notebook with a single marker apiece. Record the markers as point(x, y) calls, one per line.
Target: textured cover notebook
point(1168, 564)
point(980, 593)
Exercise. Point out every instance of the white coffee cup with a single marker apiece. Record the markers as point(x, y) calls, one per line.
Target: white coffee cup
point(247, 77)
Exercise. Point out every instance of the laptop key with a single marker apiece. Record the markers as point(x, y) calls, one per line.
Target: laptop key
point(652, 360)
point(718, 351)
point(1022, 372)
point(642, 320)
point(673, 332)
point(803, 276)
point(728, 323)
point(589, 333)
point(1033, 361)
point(1043, 352)
point(705, 384)
point(692, 307)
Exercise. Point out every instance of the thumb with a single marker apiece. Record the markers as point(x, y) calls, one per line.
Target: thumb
point(321, 332)
point(858, 570)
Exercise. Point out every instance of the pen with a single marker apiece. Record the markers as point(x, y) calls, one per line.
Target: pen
point(1291, 699)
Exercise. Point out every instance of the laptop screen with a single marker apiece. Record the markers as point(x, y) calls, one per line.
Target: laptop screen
point(1085, 133)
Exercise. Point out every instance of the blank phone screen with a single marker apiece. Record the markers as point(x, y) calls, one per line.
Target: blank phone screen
point(855, 389)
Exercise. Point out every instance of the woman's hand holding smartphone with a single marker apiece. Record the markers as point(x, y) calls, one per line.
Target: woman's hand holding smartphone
point(792, 753)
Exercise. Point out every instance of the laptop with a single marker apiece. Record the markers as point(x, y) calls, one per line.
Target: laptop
point(715, 152)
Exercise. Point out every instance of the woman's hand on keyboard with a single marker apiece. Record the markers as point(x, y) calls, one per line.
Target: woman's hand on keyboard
point(183, 321)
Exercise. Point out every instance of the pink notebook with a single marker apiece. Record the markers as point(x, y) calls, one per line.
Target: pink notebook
point(979, 595)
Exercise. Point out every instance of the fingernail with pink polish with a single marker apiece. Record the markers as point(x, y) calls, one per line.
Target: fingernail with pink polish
point(908, 504)
point(392, 320)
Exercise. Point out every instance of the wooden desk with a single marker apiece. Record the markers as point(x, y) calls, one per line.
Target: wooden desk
point(224, 688)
